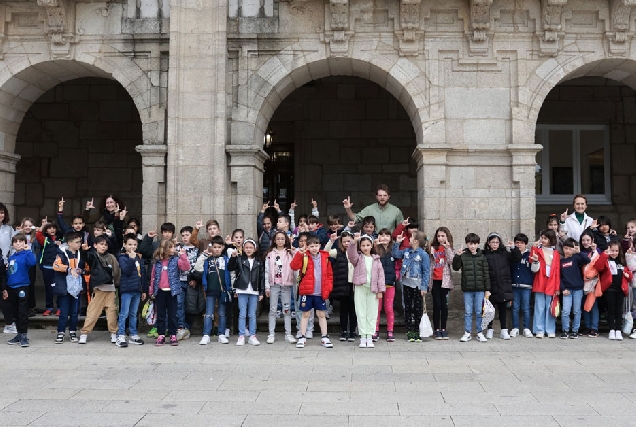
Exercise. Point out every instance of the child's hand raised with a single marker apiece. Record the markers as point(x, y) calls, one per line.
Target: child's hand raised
point(265, 206)
point(535, 258)
point(356, 237)
point(333, 237)
point(400, 237)
point(60, 205)
point(276, 206)
point(199, 224)
point(89, 204)
point(182, 251)
point(152, 233)
point(45, 220)
point(593, 246)
point(406, 221)
point(314, 204)
point(228, 239)
point(594, 224)
point(293, 206)
point(351, 224)
point(84, 246)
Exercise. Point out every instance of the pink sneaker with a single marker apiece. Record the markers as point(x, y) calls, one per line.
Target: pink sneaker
point(173, 340)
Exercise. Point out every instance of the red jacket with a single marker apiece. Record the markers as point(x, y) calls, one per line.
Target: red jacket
point(605, 274)
point(542, 283)
point(406, 243)
point(306, 286)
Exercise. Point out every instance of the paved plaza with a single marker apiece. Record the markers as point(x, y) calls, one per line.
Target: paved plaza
point(549, 382)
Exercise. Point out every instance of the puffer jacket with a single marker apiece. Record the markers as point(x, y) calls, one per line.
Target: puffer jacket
point(475, 274)
point(61, 265)
point(342, 287)
point(133, 274)
point(388, 264)
point(306, 285)
point(499, 263)
point(360, 270)
point(176, 264)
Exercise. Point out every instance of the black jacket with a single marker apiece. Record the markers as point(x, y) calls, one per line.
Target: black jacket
point(101, 272)
point(499, 263)
point(245, 275)
point(342, 288)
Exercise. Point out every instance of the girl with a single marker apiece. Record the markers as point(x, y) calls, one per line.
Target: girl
point(383, 248)
point(249, 286)
point(165, 286)
point(368, 282)
point(441, 282)
point(615, 286)
point(552, 223)
point(414, 276)
point(630, 234)
point(235, 241)
point(499, 264)
point(6, 233)
point(343, 284)
point(279, 281)
point(589, 249)
point(47, 240)
point(27, 227)
point(603, 233)
point(547, 281)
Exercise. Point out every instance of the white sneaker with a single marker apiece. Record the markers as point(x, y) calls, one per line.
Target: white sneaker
point(370, 343)
point(612, 334)
point(527, 333)
point(223, 339)
point(183, 334)
point(290, 339)
point(466, 337)
point(253, 340)
point(205, 340)
point(490, 333)
point(121, 341)
point(633, 335)
point(309, 335)
point(113, 338)
point(240, 340)
point(299, 334)
point(514, 332)
point(539, 335)
point(10, 329)
point(301, 342)
point(83, 339)
point(326, 342)
point(363, 342)
point(481, 337)
point(552, 335)
point(271, 339)
point(618, 336)
point(504, 334)
point(227, 332)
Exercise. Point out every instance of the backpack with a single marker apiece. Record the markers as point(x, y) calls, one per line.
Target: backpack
point(303, 269)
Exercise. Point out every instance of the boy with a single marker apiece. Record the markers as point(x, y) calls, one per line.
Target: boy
point(316, 229)
point(522, 278)
point(475, 284)
point(572, 264)
point(301, 242)
point(211, 227)
point(104, 273)
point(77, 223)
point(133, 288)
point(283, 224)
point(16, 291)
point(333, 221)
point(100, 229)
point(192, 252)
point(314, 288)
point(149, 246)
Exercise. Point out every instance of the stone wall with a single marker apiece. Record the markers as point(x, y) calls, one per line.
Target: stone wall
point(597, 100)
point(78, 141)
point(348, 135)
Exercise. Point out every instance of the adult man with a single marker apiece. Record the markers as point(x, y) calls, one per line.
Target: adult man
point(386, 215)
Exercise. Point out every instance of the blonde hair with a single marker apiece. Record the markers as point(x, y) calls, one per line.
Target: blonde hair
point(163, 251)
point(421, 238)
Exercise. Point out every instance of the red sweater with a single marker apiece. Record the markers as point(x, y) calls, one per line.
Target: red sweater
point(306, 286)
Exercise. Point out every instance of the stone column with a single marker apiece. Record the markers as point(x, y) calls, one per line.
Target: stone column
point(153, 189)
point(431, 182)
point(246, 174)
point(8, 162)
point(524, 161)
point(197, 122)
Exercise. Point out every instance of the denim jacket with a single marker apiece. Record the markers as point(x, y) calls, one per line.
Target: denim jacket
point(416, 263)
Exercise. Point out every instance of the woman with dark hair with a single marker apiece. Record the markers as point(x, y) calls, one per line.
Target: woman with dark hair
point(6, 232)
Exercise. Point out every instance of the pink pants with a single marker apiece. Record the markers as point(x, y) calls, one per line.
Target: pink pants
point(387, 301)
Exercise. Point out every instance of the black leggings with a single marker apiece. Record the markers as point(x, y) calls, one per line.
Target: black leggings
point(440, 308)
point(412, 308)
point(501, 308)
point(348, 319)
point(614, 300)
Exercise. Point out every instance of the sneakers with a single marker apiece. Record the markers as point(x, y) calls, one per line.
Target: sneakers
point(539, 335)
point(326, 342)
point(152, 333)
point(289, 338)
point(24, 341)
point(121, 341)
point(223, 339)
point(444, 334)
point(352, 337)
point(527, 333)
point(370, 343)
point(205, 340)
point(633, 335)
point(437, 335)
point(504, 335)
point(58, 312)
point(47, 312)
point(552, 335)
point(240, 341)
point(10, 329)
point(301, 342)
point(418, 338)
point(253, 340)
point(161, 340)
point(564, 335)
point(309, 335)
point(612, 334)
point(410, 337)
point(514, 332)
point(390, 337)
point(83, 339)
point(375, 336)
point(183, 334)
point(59, 339)
point(466, 337)
point(574, 335)
point(113, 338)
point(73, 336)
point(490, 333)
point(270, 339)
point(593, 333)
point(343, 336)
point(363, 343)
point(618, 336)
point(135, 340)
point(481, 337)
point(299, 334)
point(174, 341)
point(227, 332)
point(15, 340)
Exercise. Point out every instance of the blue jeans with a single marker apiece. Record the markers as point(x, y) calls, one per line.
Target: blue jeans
point(181, 314)
point(128, 309)
point(68, 306)
point(572, 302)
point(247, 307)
point(521, 302)
point(473, 302)
point(591, 317)
point(543, 320)
point(208, 318)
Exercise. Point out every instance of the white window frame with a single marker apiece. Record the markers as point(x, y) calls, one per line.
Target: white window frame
point(545, 198)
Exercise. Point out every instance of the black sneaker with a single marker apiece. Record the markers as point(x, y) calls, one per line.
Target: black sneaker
point(60, 338)
point(352, 337)
point(343, 336)
point(564, 335)
point(15, 340)
point(574, 335)
point(593, 333)
point(24, 341)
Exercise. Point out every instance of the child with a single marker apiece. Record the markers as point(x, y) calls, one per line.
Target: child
point(383, 248)
point(69, 261)
point(314, 287)
point(547, 280)
point(27, 227)
point(615, 286)
point(104, 274)
point(406, 228)
point(212, 229)
point(415, 275)
point(133, 289)
point(333, 222)
point(17, 287)
point(149, 246)
point(499, 262)
point(475, 284)
point(368, 282)
point(589, 249)
point(316, 228)
point(283, 224)
point(441, 282)
point(216, 279)
point(47, 240)
point(571, 268)
point(342, 284)
point(301, 242)
point(552, 223)
point(368, 227)
point(165, 286)
point(302, 219)
point(77, 222)
point(249, 286)
point(603, 233)
point(630, 233)
point(192, 252)
point(522, 279)
point(279, 281)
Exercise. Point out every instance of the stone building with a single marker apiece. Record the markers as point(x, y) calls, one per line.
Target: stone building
point(480, 114)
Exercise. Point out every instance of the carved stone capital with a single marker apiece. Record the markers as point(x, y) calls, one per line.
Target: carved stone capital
point(410, 35)
point(618, 34)
point(56, 14)
point(337, 33)
point(480, 25)
point(551, 12)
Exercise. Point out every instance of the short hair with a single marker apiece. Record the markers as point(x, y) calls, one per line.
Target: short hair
point(99, 225)
point(333, 219)
point(48, 225)
point(168, 226)
point(211, 222)
point(312, 239)
point(77, 217)
point(72, 236)
point(368, 220)
point(187, 228)
point(18, 238)
point(579, 196)
point(412, 224)
point(382, 187)
point(604, 220)
point(217, 240)
point(312, 219)
point(286, 217)
point(520, 237)
point(100, 239)
point(129, 236)
point(550, 235)
point(472, 238)
point(570, 242)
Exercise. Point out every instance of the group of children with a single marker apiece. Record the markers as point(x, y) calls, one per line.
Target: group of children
point(301, 268)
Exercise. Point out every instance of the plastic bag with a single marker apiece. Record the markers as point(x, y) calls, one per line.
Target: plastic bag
point(628, 323)
point(630, 258)
point(555, 306)
point(488, 313)
point(426, 330)
point(149, 312)
point(74, 285)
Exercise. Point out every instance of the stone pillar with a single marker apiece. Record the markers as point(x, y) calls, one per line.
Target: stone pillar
point(523, 161)
point(431, 182)
point(153, 190)
point(246, 176)
point(197, 122)
point(8, 162)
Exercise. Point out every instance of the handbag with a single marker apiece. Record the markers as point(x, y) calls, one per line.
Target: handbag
point(488, 313)
point(555, 306)
point(426, 330)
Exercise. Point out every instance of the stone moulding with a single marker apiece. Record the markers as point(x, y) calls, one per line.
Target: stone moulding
point(551, 11)
point(619, 35)
point(410, 36)
point(480, 25)
point(338, 35)
point(57, 20)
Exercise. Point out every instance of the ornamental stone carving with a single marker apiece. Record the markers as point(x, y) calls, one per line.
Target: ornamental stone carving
point(480, 23)
point(551, 11)
point(410, 36)
point(338, 36)
point(619, 35)
point(58, 27)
